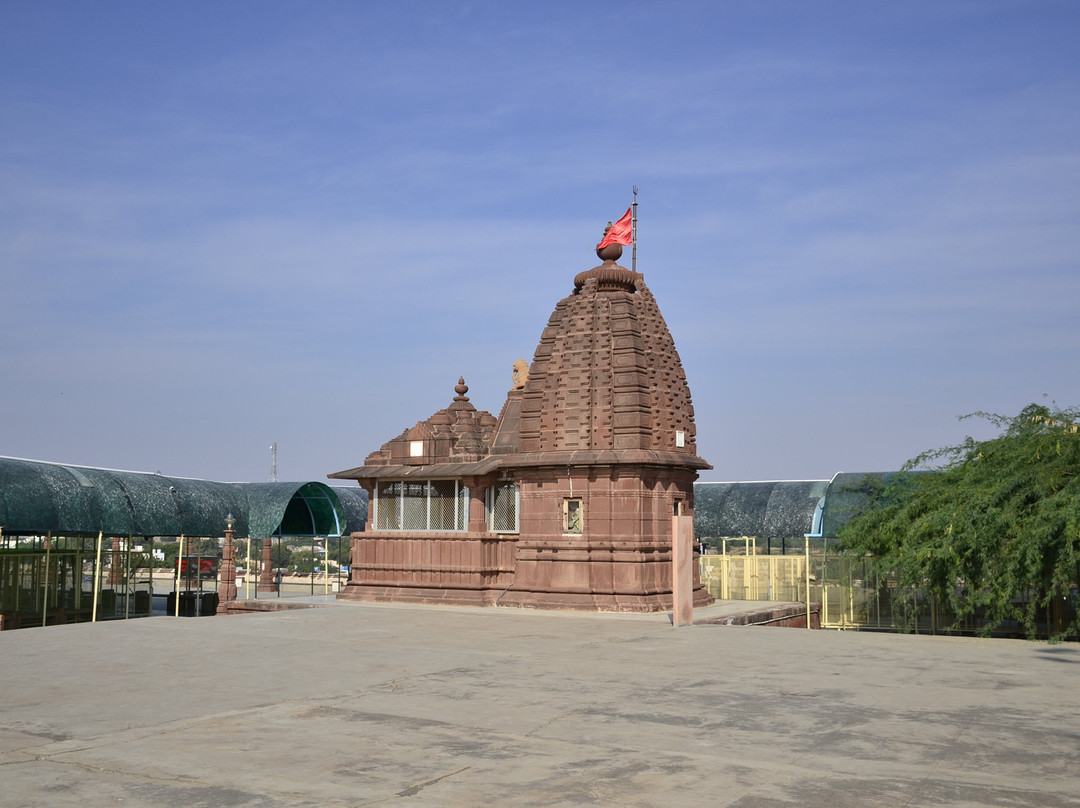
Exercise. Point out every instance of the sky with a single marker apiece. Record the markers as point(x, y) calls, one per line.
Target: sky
point(230, 224)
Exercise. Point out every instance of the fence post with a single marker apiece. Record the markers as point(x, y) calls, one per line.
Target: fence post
point(180, 547)
point(45, 584)
point(807, 539)
point(723, 571)
point(97, 579)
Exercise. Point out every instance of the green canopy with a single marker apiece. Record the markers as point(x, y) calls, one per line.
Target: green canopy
point(38, 497)
point(782, 508)
point(303, 509)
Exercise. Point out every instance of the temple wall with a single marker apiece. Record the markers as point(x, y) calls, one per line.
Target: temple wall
point(453, 567)
point(622, 558)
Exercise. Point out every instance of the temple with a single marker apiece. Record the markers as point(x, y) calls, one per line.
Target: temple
point(565, 501)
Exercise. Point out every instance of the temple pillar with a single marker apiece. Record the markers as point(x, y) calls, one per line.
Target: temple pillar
point(227, 585)
point(267, 581)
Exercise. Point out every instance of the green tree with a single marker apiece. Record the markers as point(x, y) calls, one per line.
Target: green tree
point(304, 561)
point(208, 548)
point(171, 549)
point(993, 531)
point(339, 549)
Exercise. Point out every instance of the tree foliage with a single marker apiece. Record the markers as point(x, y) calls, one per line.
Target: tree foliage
point(305, 561)
point(994, 530)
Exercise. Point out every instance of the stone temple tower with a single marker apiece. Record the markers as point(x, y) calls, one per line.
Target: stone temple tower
point(566, 499)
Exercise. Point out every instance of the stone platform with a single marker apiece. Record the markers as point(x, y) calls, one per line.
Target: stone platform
point(398, 705)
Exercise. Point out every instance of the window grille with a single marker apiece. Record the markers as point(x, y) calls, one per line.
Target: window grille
point(388, 506)
point(445, 506)
point(421, 505)
point(502, 508)
point(414, 504)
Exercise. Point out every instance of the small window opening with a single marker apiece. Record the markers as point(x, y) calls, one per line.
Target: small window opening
point(572, 516)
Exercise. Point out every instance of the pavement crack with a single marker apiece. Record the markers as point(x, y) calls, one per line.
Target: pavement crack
point(393, 683)
point(91, 769)
point(416, 789)
point(549, 722)
point(526, 735)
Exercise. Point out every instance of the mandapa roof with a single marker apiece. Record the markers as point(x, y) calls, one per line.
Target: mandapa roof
point(38, 497)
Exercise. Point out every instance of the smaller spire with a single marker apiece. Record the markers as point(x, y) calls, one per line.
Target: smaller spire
point(461, 389)
point(461, 401)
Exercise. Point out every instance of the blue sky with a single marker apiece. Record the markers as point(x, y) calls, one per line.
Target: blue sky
point(229, 224)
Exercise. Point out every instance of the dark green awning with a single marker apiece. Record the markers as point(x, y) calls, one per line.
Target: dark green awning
point(37, 498)
point(771, 509)
point(304, 509)
point(783, 508)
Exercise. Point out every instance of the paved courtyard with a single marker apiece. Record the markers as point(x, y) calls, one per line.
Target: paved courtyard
point(356, 705)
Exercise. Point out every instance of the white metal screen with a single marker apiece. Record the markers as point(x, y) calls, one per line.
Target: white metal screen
point(502, 508)
point(421, 505)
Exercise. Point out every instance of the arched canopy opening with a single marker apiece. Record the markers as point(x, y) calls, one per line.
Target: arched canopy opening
point(303, 509)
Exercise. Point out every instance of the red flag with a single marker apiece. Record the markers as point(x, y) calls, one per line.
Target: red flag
point(622, 232)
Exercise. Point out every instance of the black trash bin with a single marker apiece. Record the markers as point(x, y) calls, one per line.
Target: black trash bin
point(193, 604)
point(188, 602)
point(107, 603)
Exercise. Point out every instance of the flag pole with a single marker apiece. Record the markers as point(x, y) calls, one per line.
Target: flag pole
point(633, 221)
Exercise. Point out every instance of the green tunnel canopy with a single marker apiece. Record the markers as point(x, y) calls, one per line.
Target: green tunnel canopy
point(782, 508)
point(38, 497)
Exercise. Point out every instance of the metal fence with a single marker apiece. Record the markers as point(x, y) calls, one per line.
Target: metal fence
point(52, 587)
point(55, 580)
point(851, 593)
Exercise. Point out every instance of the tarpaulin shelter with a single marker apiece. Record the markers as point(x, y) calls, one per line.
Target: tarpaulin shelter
point(38, 498)
point(54, 577)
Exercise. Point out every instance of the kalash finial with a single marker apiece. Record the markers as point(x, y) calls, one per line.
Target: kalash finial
point(616, 235)
point(461, 389)
point(611, 251)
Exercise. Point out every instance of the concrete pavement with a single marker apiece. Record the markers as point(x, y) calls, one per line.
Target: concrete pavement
point(357, 704)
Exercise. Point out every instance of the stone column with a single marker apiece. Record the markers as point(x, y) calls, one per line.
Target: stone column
point(267, 583)
point(227, 583)
point(116, 568)
point(476, 519)
point(682, 573)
